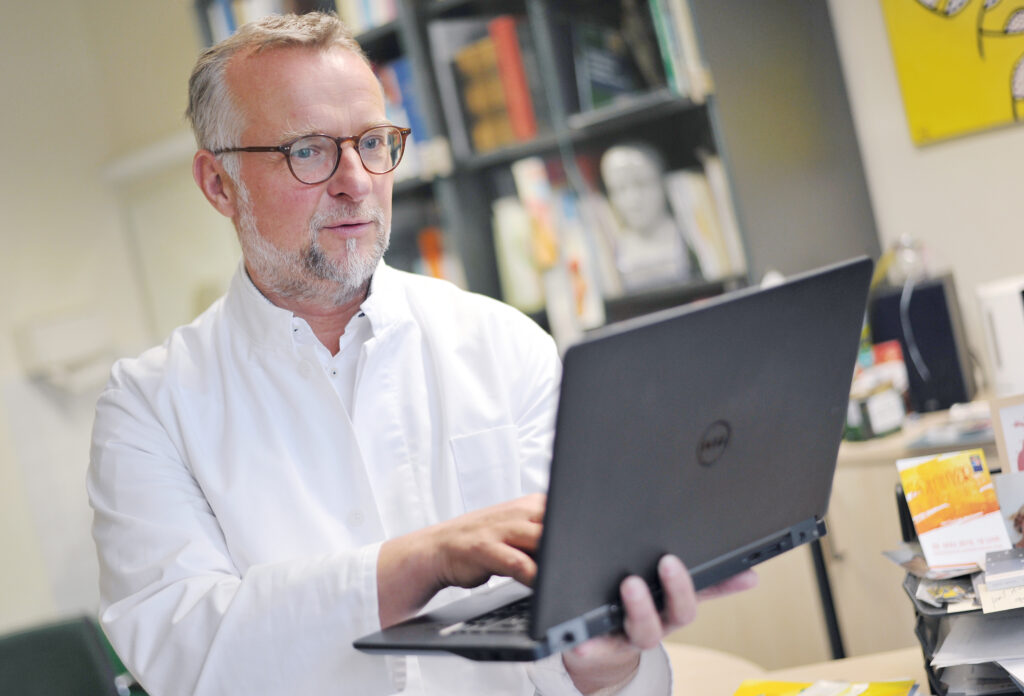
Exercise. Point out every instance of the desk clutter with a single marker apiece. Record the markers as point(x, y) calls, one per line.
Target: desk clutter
point(767, 687)
point(964, 555)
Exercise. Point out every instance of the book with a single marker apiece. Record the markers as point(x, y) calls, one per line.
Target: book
point(363, 15)
point(580, 262)
point(1004, 568)
point(954, 508)
point(446, 38)
point(534, 190)
point(676, 74)
point(604, 68)
point(600, 221)
point(564, 291)
point(396, 110)
point(434, 258)
point(220, 18)
point(697, 80)
point(402, 69)
point(249, 10)
point(725, 210)
point(534, 79)
point(518, 274)
point(692, 203)
point(639, 33)
point(504, 32)
point(482, 95)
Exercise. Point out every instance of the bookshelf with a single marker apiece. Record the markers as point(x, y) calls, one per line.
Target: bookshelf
point(767, 101)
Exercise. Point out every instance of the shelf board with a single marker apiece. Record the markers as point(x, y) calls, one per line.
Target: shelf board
point(629, 111)
point(541, 144)
point(639, 303)
point(382, 32)
point(439, 8)
point(644, 106)
point(410, 186)
point(452, 8)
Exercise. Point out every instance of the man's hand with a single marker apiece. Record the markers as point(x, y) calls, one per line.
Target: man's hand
point(463, 552)
point(497, 540)
point(612, 660)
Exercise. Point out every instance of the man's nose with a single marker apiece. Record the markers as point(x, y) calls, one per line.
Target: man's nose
point(351, 177)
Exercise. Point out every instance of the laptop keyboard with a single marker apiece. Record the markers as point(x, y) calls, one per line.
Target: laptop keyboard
point(511, 618)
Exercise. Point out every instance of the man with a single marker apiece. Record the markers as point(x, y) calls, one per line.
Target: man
point(334, 444)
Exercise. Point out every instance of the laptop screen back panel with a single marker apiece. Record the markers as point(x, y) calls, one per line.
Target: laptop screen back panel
point(737, 404)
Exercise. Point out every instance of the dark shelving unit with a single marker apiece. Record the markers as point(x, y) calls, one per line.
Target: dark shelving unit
point(785, 224)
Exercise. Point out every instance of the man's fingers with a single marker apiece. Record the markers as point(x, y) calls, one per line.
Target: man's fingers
point(680, 597)
point(514, 563)
point(643, 622)
point(737, 583)
point(523, 535)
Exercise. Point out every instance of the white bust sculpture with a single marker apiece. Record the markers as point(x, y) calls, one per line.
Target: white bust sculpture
point(650, 249)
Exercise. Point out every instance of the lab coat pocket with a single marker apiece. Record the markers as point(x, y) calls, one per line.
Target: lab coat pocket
point(488, 466)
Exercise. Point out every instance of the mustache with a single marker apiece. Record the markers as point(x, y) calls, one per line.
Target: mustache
point(330, 218)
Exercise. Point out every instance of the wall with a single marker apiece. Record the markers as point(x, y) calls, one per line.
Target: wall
point(85, 83)
point(958, 197)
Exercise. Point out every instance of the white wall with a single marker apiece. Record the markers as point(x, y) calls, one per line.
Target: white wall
point(959, 197)
point(83, 84)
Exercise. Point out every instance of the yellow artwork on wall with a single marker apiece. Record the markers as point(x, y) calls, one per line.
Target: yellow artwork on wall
point(960, 64)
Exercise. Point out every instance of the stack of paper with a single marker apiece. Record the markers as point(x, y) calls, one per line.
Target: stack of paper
point(975, 639)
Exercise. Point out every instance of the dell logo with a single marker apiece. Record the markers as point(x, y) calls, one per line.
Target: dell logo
point(713, 442)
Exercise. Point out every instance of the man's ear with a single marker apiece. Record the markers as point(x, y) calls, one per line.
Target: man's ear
point(213, 181)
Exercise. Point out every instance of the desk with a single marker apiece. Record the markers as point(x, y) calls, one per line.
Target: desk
point(886, 450)
point(703, 672)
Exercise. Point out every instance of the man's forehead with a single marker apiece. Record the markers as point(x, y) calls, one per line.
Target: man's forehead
point(261, 79)
point(271, 58)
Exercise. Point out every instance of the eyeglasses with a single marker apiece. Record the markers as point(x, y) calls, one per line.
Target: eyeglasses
point(313, 159)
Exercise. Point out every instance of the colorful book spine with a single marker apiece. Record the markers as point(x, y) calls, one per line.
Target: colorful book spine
point(668, 47)
point(410, 101)
point(504, 33)
point(483, 96)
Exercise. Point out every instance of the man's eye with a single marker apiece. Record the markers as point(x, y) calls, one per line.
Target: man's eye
point(371, 142)
point(304, 153)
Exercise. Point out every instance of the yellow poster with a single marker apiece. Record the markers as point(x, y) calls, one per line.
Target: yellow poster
point(960, 64)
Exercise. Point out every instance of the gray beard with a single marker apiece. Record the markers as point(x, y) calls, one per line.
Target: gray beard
point(309, 274)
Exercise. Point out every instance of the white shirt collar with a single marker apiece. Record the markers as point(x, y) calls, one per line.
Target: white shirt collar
point(269, 325)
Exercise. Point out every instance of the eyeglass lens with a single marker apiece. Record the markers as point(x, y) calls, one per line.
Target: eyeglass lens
point(314, 157)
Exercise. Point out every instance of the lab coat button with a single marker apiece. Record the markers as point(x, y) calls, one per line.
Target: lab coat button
point(305, 370)
point(356, 519)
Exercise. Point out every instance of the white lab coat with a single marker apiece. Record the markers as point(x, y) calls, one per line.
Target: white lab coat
point(239, 506)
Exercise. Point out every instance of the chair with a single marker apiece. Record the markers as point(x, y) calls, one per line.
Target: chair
point(68, 657)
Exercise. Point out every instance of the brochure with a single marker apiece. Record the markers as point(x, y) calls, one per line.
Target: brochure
point(954, 507)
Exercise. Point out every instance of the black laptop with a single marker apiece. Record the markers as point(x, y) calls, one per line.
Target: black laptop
point(709, 431)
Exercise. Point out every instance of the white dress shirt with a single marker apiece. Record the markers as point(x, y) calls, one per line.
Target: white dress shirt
point(243, 479)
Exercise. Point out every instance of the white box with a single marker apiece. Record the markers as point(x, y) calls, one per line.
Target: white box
point(1002, 313)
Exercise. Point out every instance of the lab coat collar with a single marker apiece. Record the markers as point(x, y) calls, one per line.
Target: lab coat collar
point(268, 325)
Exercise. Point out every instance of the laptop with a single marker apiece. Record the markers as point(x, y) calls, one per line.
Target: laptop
point(709, 431)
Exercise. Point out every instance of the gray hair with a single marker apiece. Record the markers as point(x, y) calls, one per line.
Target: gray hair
point(215, 118)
